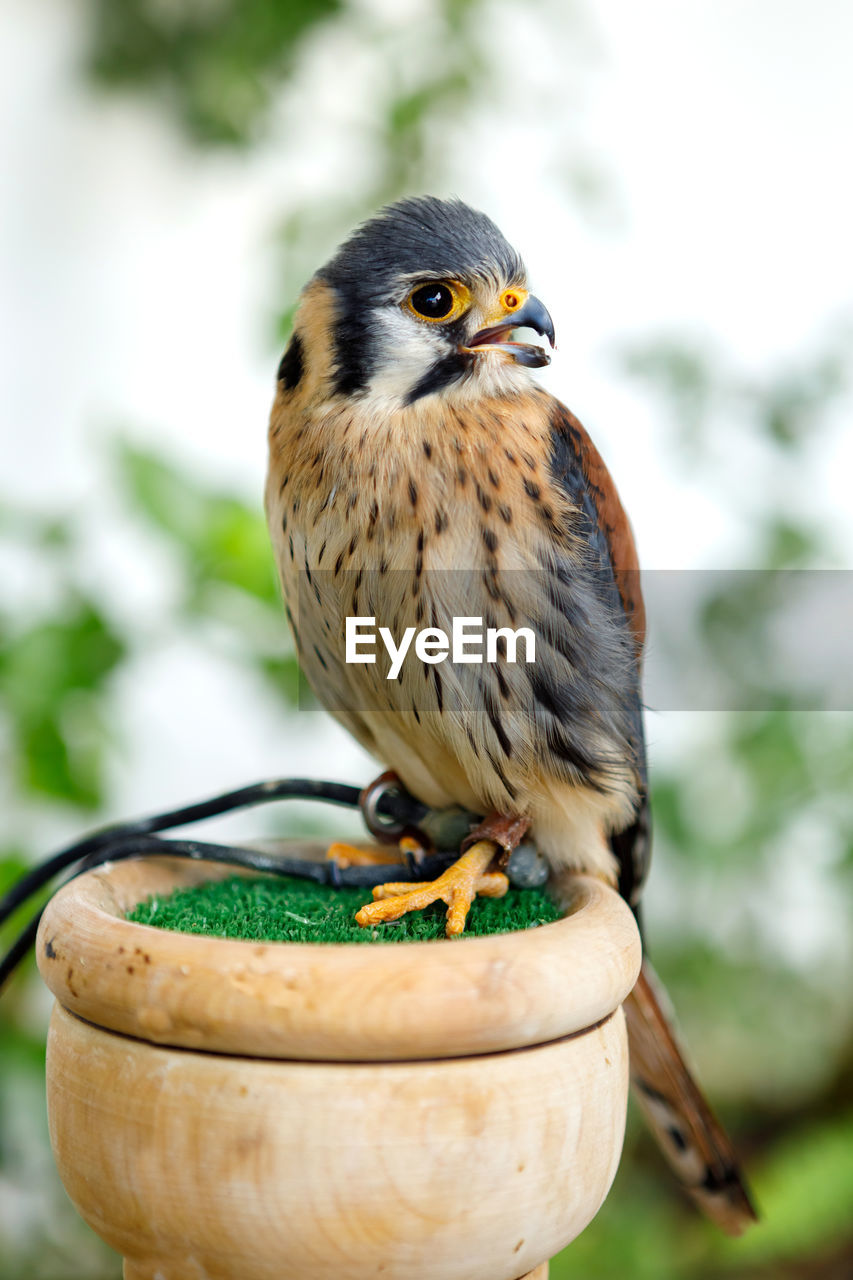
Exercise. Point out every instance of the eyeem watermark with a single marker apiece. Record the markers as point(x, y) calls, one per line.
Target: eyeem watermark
point(433, 645)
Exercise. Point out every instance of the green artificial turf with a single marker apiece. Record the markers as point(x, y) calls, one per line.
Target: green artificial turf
point(282, 909)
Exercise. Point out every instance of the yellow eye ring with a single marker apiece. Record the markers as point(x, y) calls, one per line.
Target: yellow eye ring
point(438, 301)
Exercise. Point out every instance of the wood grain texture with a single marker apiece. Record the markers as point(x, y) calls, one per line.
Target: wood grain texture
point(325, 1002)
point(463, 1156)
point(199, 1166)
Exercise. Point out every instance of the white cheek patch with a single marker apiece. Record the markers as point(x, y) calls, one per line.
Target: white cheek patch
point(405, 351)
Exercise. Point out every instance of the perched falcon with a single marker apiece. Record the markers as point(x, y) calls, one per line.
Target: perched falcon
point(418, 475)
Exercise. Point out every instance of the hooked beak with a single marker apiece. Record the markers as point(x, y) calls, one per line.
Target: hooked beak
point(531, 315)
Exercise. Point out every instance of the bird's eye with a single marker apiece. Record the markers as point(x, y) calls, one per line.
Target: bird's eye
point(436, 301)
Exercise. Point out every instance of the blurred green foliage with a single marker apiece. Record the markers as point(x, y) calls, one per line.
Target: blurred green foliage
point(762, 996)
point(217, 65)
point(57, 696)
point(50, 676)
point(220, 541)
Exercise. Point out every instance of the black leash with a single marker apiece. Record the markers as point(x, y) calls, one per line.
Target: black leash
point(388, 810)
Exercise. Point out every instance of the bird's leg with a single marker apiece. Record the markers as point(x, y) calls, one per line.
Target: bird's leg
point(507, 831)
point(459, 885)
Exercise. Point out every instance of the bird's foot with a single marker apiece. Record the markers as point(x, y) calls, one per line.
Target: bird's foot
point(353, 855)
point(458, 886)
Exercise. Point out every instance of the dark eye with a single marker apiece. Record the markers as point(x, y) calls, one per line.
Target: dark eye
point(432, 301)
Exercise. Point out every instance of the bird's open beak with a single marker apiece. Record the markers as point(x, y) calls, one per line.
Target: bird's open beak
point(531, 315)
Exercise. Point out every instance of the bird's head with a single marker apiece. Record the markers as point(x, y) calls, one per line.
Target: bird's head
point(423, 299)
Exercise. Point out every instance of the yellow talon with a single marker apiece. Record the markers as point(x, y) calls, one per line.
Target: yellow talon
point(458, 886)
point(351, 855)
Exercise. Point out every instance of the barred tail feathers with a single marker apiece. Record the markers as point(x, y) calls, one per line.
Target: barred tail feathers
point(687, 1131)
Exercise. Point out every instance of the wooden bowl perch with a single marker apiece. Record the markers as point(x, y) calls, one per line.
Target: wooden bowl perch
point(228, 1110)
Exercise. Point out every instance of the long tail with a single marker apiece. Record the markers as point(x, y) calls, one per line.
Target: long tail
point(678, 1113)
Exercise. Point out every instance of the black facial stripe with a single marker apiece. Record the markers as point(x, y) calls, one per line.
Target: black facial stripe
point(442, 373)
point(352, 343)
point(292, 365)
point(355, 355)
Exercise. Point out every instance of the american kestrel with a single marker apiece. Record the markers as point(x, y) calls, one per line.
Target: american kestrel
point(418, 477)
